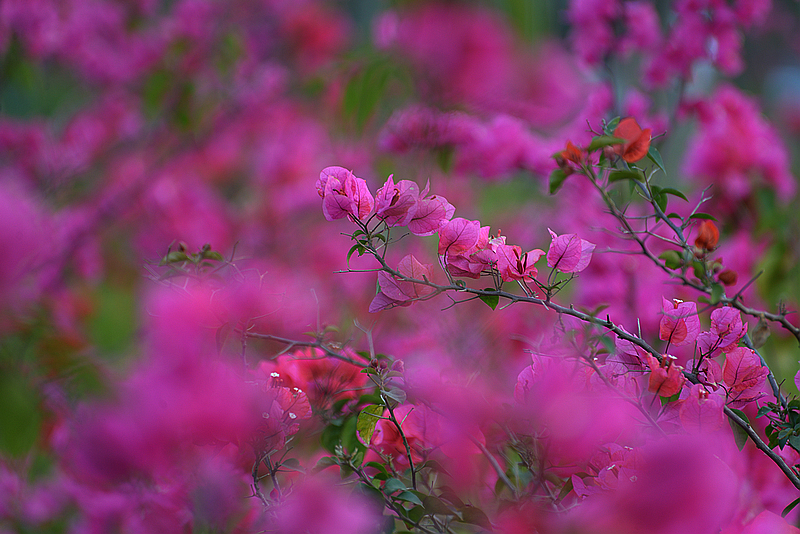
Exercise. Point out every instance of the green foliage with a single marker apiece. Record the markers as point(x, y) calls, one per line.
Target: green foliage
point(739, 434)
point(557, 178)
point(20, 417)
point(367, 419)
point(490, 300)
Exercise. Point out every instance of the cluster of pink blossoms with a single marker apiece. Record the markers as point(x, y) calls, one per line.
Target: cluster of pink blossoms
point(466, 249)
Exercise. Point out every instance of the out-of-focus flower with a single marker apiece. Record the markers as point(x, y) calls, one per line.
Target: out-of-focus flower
point(637, 141)
point(320, 506)
point(707, 236)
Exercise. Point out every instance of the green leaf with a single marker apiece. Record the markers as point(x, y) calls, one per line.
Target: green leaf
point(367, 419)
point(354, 248)
point(671, 398)
point(703, 216)
point(376, 465)
point(416, 514)
point(655, 156)
point(739, 433)
point(324, 463)
point(674, 215)
point(790, 507)
point(293, 464)
point(602, 141)
point(672, 260)
point(331, 437)
point(475, 516)
point(20, 418)
point(661, 200)
point(396, 394)
point(764, 410)
point(176, 256)
point(212, 255)
point(557, 178)
point(717, 291)
point(624, 174)
point(612, 125)
point(350, 441)
point(490, 300)
point(365, 90)
point(393, 485)
point(794, 441)
point(445, 157)
point(674, 192)
point(566, 489)
point(699, 269)
point(434, 505)
point(408, 497)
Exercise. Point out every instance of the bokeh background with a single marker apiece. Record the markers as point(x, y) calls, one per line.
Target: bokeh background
point(132, 128)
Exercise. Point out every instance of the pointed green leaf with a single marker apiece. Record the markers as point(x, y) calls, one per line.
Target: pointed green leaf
point(393, 485)
point(717, 291)
point(367, 419)
point(174, 256)
point(434, 505)
point(672, 260)
point(674, 192)
point(408, 497)
point(557, 178)
point(602, 141)
point(790, 507)
point(702, 216)
point(212, 255)
point(396, 394)
point(655, 156)
point(612, 125)
point(475, 516)
point(324, 463)
point(490, 300)
point(624, 174)
point(739, 433)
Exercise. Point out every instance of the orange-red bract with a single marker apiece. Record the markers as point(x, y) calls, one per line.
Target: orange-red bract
point(707, 236)
point(637, 141)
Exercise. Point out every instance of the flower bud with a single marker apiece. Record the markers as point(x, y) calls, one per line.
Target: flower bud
point(728, 277)
point(707, 236)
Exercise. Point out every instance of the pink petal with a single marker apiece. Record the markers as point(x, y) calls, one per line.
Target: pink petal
point(430, 214)
point(458, 236)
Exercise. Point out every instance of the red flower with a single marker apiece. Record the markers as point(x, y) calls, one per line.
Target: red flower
point(637, 141)
point(707, 236)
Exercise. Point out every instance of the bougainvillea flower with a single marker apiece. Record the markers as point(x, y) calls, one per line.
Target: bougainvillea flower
point(726, 330)
point(701, 410)
point(397, 292)
point(569, 253)
point(679, 324)
point(324, 380)
point(344, 194)
point(431, 213)
point(396, 204)
point(744, 375)
point(513, 264)
point(475, 260)
point(572, 153)
point(637, 141)
point(458, 236)
point(707, 236)
point(628, 354)
point(666, 378)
